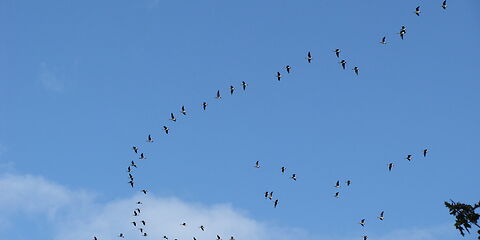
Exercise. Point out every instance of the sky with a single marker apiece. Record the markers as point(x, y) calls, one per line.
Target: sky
point(84, 81)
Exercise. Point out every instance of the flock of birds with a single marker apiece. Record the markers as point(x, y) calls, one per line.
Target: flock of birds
point(137, 212)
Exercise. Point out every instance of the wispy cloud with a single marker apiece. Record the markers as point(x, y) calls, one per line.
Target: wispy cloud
point(50, 79)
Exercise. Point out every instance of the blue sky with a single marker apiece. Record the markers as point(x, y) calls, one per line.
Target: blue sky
point(84, 81)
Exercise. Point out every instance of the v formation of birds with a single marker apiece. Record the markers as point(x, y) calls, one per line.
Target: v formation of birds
point(141, 224)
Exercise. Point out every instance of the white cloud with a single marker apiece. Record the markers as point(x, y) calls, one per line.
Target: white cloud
point(49, 78)
point(81, 217)
point(77, 216)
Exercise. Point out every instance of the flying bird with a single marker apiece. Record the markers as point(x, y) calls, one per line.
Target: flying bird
point(144, 192)
point(130, 176)
point(337, 52)
point(402, 32)
point(205, 104)
point(131, 183)
point(356, 70)
point(343, 63)
point(135, 149)
point(142, 156)
point(409, 157)
point(218, 237)
point(348, 182)
point(425, 151)
point(202, 228)
point(244, 85)
point(231, 238)
point(129, 169)
point(133, 164)
point(165, 128)
point(121, 235)
point(390, 166)
point(294, 177)
point(270, 196)
point(384, 40)
point(139, 203)
point(283, 169)
point(266, 195)
point(218, 96)
point(145, 234)
point(135, 213)
point(143, 222)
point(257, 164)
point(417, 11)
point(362, 222)
point(444, 4)
point(183, 111)
point(232, 89)
point(365, 237)
point(279, 76)
point(95, 238)
point(309, 57)
point(381, 216)
point(275, 204)
point(288, 68)
point(134, 224)
point(337, 185)
point(337, 194)
point(183, 224)
point(172, 117)
point(149, 139)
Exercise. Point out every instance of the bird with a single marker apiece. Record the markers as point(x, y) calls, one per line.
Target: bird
point(218, 237)
point(130, 176)
point(133, 164)
point(365, 237)
point(257, 164)
point(121, 235)
point(356, 70)
point(275, 204)
point(139, 203)
point(143, 222)
point(343, 63)
point(362, 222)
point(144, 191)
point(183, 224)
point(134, 224)
point(337, 185)
point(138, 210)
point(135, 149)
point(266, 195)
point(183, 111)
point(129, 169)
point(337, 194)
point(95, 238)
point(444, 4)
point(194, 238)
point(279, 76)
point(244, 85)
point(202, 228)
point(384, 40)
point(348, 182)
point(142, 156)
point(337, 52)
point(149, 138)
point(165, 128)
point(417, 11)
point(283, 169)
point(141, 230)
point(218, 96)
point(145, 234)
point(402, 32)
point(131, 183)
point(165, 237)
point(381, 216)
point(205, 104)
point(309, 57)
point(409, 157)
point(172, 117)
point(270, 196)
point(288, 68)
point(390, 166)
point(294, 177)
point(232, 89)
point(135, 213)
point(425, 151)
point(231, 238)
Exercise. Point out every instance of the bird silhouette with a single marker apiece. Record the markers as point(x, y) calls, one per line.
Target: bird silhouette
point(244, 85)
point(172, 117)
point(165, 128)
point(205, 104)
point(288, 68)
point(381, 216)
point(337, 52)
point(135, 149)
point(402, 32)
point(283, 169)
point(425, 151)
point(355, 69)
point(417, 11)
point(149, 139)
point(294, 177)
point(384, 40)
point(257, 164)
point(337, 194)
point(218, 96)
point(390, 166)
point(337, 184)
point(343, 63)
point(232, 89)
point(348, 182)
point(409, 157)
point(279, 76)
point(183, 111)
point(362, 222)
point(444, 4)
point(275, 204)
point(309, 57)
